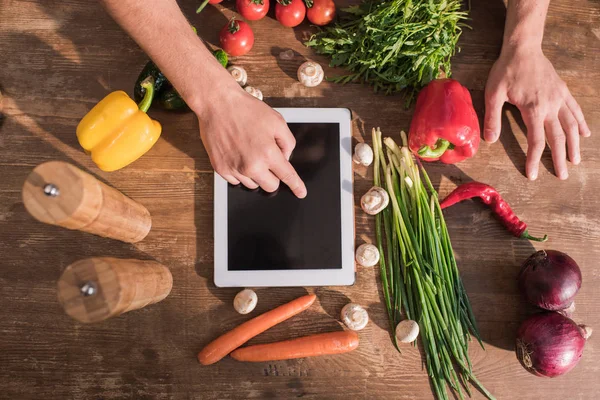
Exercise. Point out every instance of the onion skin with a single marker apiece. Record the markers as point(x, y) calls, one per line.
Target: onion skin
point(550, 279)
point(550, 344)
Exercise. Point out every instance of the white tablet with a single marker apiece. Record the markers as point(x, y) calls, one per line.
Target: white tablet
point(273, 240)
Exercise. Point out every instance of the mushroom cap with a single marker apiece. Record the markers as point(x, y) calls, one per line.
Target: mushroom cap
point(363, 154)
point(239, 74)
point(245, 301)
point(354, 316)
point(254, 92)
point(310, 74)
point(375, 200)
point(407, 331)
point(367, 255)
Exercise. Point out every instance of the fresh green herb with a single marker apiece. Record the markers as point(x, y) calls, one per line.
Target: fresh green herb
point(419, 275)
point(222, 57)
point(394, 44)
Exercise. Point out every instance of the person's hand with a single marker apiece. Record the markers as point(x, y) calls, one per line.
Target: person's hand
point(524, 77)
point(248, 142)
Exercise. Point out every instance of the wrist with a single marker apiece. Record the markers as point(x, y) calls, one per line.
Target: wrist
point(209, 91)
point(524, 27)
point(524, 43)
point(520, 49)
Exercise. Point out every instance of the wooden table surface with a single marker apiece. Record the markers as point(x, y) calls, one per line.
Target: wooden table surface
point(58, 58)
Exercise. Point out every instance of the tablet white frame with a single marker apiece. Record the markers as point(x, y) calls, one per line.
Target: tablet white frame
point(302, 277)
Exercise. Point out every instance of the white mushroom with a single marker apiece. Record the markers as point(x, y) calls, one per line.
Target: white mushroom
point(367, 255)
point(354, 316)
point(287, 54)
point(239, 74)
point(375, 200)
point(310, 74)
point(407, 331)
point(363, 154)
point(254, 92)
point(245, 301)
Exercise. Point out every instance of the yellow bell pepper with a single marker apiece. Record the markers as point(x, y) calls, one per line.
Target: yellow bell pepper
point(116, 132)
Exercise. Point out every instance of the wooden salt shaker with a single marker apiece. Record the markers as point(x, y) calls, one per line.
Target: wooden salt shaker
point(95, 289)
point(60, 194)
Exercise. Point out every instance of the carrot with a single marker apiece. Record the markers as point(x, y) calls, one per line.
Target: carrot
point(225, 344)
point(307, 346)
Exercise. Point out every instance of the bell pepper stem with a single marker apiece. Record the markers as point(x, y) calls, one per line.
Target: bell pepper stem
point(436, 151)
point(199, 9)
point(526, 235)
point(148, 85)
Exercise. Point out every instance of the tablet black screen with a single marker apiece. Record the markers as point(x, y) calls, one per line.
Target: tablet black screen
point(280, 232)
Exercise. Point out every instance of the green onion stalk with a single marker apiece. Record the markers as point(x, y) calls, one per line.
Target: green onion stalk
point(419, 275)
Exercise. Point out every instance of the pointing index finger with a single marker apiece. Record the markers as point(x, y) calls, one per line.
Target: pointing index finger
point(288, 175)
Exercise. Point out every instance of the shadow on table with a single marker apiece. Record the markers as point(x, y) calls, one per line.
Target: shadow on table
point(289, 66)
point(42, 241)
point(509, 141)
point(208, 23)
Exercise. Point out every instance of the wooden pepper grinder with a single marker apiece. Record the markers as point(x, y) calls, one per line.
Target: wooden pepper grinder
point(58, 193)
point(95, 289)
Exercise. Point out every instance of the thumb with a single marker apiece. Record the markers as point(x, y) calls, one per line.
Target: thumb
point(492, 123)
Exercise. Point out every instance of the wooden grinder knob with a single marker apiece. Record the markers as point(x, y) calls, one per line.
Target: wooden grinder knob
point(58, 193)
point(95, 289)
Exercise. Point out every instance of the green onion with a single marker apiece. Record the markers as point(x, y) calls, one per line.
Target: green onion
point(419, 275)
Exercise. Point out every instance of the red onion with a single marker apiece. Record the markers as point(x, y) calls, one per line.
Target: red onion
point(550, 344)
point(550, 279)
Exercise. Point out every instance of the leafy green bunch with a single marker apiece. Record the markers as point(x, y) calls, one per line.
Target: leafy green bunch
point(393, 44)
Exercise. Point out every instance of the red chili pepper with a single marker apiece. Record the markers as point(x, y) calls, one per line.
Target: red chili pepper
point(444, 126)
point(491, 197)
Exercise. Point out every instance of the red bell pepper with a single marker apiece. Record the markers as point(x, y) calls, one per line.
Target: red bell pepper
point(444, 126)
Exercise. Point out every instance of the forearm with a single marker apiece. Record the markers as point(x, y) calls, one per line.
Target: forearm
point(524, 26)
point(162, 31)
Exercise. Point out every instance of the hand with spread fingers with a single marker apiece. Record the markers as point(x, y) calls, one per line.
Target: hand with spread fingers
point(523, 76)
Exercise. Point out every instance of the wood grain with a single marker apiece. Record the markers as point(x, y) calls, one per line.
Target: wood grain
point(59, 58)
point(83, 203)
point(118, 286)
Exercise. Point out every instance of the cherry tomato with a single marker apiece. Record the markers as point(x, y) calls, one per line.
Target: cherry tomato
point(321, 12)
point(236, 38)
point(252, 10)
point(290, 13)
